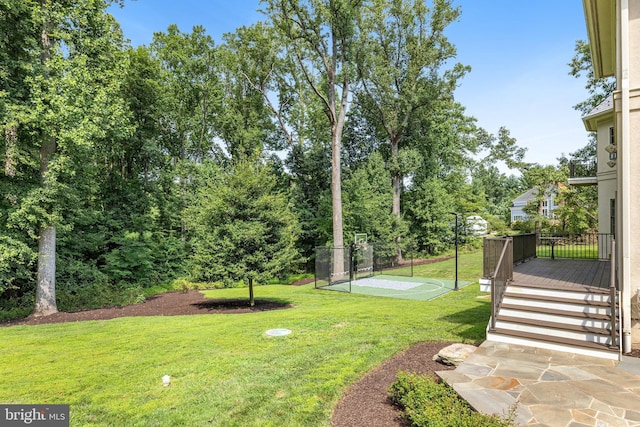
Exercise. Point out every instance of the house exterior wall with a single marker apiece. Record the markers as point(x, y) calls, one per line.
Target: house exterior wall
point(627, 116)
point(607, 176)
point(614, 37)
point(518, 213)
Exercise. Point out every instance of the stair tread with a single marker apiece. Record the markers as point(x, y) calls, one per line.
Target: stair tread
point(556, 340)
point(544, 310)
point(554, 325)
point(585, 288)
point(556, 299)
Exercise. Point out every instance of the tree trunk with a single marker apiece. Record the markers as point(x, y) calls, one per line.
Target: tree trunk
point(251, 300)
point(336, 203)
point(396, 179)
point(11, 141)
point(46, 291)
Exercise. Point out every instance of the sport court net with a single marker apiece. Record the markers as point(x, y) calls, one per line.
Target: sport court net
point(375, 269)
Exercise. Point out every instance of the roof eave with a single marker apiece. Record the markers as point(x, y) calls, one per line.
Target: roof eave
point(591, 122)
point(600, 16)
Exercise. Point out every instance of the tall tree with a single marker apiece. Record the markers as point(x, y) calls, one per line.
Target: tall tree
point(545, 181)
point(400, 60)
point(598, 89)
point(192, 93)
point(72, 97)
point(246, 61)
point(320, 36)
point(189, 108)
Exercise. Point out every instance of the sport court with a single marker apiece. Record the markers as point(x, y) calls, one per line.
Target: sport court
point(403, 287)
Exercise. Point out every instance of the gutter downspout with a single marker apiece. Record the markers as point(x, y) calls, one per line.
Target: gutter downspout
point(626, 176)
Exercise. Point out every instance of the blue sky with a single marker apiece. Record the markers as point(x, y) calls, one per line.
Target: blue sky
point(518, 51)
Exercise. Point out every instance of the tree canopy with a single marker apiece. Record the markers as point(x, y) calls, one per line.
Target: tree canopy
point(229, 161)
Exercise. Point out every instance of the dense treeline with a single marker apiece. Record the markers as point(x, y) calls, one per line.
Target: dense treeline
point(128, 167)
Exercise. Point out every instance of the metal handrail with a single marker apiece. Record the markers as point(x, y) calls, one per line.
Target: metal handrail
point(574, 245)
point(499, 278)
point(583, 169)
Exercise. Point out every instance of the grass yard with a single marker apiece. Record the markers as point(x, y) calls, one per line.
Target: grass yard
point(569, 251)
point(224, 370)
point(469, 268)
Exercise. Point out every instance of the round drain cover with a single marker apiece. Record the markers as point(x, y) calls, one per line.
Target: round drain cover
point(278, 332)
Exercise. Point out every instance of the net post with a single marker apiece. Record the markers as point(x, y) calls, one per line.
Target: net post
point(411, 258)
point(351, 264)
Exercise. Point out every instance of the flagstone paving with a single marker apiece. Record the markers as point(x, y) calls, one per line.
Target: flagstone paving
point(549, 388)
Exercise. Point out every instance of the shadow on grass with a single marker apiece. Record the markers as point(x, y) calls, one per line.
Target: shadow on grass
point(239, 305)
point(473, 321)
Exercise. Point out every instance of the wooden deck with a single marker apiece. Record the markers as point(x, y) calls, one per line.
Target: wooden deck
point(563, 273)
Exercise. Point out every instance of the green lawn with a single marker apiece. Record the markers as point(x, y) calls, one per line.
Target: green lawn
point(469, 268)
point(224, 369)
point(569, 251)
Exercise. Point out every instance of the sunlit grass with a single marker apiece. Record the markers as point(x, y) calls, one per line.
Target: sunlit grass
point(224, 369)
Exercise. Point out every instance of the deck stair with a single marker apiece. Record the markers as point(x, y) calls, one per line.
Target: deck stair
point(572, 320)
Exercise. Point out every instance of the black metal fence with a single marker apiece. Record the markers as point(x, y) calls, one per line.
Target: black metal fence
point(337, 267)
point(394, 259)
point(583, 169)
point(574, 246)
point(333, 265)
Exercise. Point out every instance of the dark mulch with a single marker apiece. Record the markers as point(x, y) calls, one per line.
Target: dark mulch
point(167, 304)
point(366, 402)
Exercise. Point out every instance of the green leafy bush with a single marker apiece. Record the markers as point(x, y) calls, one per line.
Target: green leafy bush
point(17, 261)
point(428, 402)
point(96, 295)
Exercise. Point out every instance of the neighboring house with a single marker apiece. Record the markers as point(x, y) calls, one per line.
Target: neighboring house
point(613, 27)
point(549, 206)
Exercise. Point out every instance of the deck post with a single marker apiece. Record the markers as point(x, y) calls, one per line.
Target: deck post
point(612, 293)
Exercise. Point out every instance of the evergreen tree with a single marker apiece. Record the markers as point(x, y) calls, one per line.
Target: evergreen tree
point(242, 226)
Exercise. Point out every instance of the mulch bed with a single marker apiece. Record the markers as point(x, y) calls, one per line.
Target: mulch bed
point(366, 404)
point(167, 304)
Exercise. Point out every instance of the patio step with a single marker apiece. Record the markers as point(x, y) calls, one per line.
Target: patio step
point(586, 293)
point(554, 343)
point(572, 320)
point(600, 335)
point(552, 315)
point(559, 300)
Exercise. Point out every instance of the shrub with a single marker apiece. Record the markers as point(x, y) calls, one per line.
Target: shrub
point(428, 402)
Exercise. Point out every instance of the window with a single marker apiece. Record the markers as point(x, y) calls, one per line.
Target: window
point(613, 154)
point(612, 215)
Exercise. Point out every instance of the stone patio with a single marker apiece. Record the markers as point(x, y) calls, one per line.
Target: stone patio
point(549, 388)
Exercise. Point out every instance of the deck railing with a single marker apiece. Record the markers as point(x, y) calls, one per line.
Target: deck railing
point(583, 169)
point(574, 246)
point(501, 276)
point(523, 248)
